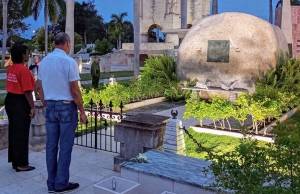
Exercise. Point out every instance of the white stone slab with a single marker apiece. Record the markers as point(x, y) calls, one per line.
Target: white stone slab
point(122, 186)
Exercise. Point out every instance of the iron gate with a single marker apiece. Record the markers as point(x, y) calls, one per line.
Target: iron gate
point(98, 133)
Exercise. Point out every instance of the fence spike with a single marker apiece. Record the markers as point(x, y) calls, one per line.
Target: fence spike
point(91, 102)
point(101, 105)
point(110, 106)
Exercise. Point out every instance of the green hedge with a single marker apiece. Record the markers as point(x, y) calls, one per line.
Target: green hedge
point(157, 79)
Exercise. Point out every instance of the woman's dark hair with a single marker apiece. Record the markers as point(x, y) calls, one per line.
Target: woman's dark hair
point(17, 53)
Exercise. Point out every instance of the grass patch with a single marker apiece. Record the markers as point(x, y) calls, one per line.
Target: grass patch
point(294, 120)
point(2, 98)
point(220, 144)
point(2, 84)
point(106, 75)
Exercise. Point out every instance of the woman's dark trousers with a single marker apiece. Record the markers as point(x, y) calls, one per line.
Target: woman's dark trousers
point(18, 111)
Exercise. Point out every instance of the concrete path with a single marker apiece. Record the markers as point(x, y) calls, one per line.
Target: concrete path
point(105, 81)
point(2, 76)
point(88, 167)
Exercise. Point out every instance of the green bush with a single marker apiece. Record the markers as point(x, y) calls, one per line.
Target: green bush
point(103, 47)
point(285, 77)
point(157, 79)
point(251, 168)
point(162, 69)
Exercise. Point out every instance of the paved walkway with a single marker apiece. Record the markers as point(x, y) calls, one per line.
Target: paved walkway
point(105, 81)
point(88, 167)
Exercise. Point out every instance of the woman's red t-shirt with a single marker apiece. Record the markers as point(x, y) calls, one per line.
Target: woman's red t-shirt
point(19, 79)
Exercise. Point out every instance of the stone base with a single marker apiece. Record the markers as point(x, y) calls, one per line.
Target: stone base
point(3, 136)
point(118, 160)
point(37, 141)
point(37, 144)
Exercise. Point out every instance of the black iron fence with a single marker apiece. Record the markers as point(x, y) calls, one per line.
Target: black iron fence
point(98, 133)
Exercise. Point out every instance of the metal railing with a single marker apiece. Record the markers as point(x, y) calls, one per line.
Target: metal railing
point(98, 133)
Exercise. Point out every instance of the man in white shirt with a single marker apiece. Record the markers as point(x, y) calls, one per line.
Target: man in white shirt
point(58, 88)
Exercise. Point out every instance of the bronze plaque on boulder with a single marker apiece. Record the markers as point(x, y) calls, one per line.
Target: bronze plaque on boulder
point(218, 51)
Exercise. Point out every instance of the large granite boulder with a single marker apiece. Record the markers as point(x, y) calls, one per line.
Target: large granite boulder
point(229, 51)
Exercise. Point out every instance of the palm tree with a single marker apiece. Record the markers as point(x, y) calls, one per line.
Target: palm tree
point(271, 11)
point(117, 22)
point(52, 10)
point(4, 27)
point(137, 5)
point(70, 4)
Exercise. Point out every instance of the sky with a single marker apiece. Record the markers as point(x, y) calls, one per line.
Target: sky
point(105, 8)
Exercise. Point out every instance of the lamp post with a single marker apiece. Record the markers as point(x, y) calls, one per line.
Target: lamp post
point(4, 27)
point(137, 41)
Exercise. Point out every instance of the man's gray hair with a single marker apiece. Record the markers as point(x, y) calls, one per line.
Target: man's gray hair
point(61, 38)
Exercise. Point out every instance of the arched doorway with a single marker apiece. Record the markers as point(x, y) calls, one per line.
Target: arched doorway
point(155, 34)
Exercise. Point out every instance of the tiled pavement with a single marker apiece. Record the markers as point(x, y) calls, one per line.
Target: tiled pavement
point(88, 167)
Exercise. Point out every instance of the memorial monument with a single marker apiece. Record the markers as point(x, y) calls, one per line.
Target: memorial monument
point(229, 51)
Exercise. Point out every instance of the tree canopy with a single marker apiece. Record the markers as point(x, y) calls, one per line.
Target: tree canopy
point(88, 23)
point(15, 18)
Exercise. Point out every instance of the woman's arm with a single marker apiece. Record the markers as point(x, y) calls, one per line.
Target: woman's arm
point(29, 99)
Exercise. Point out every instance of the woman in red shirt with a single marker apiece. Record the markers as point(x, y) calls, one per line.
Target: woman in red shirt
point(19, 107)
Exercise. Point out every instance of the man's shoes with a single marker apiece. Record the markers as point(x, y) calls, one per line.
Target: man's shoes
point(69, 188)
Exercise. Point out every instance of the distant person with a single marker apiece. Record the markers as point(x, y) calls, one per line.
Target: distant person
point(34, 67)
point(58, 88)
point(95, 71)
point(19, 107)
point(8, 62)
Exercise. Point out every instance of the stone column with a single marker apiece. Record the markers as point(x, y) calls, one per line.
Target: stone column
point(70, 6)
point(137, 134)
point(37, 141)
point(174, 136)
point(3, 134)
point(215, 7)
point(184, 12)
point(286, 21)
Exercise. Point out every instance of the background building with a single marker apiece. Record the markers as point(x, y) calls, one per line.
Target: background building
point(288, 19)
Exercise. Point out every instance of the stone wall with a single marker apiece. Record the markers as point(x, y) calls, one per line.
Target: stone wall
point(296, 30)
point(167, 14)
point(3, 135)
point(115, 58)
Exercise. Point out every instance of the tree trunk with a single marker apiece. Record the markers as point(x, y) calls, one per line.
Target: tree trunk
point(46, 12)
point(70, 23)
point(120, 42)
point(215, 7)
point(229, 125)
point(4, 27)
point(85, 39)
point(137, 9)
point(271, 11)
